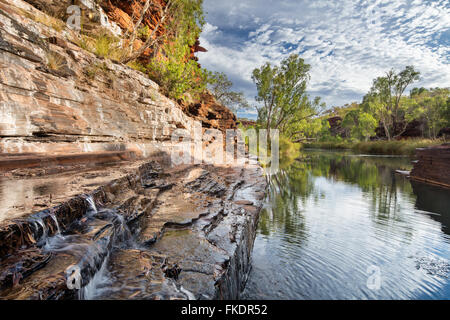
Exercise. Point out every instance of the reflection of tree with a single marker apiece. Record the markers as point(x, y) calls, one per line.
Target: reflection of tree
point(294, 185)
point(287, 190)
point(434, 199)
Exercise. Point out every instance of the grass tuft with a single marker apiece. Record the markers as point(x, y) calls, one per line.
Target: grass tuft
point(55, 61)
point(50, 22)
point(103, 45)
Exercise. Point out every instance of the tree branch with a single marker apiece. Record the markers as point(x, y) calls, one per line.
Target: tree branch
point(138, 23)
point(150, 41)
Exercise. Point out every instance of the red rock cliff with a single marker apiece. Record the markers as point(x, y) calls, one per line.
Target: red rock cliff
point(121, 15)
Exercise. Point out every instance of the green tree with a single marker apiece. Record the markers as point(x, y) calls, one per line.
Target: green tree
point(431, 106)
point(221, 88)
point(282, 92)
point(301, 127)
point(366, 125)
point(385, 96)
point(361, 124)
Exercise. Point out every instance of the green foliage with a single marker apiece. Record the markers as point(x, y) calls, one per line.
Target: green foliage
point(48, 20)
point(366, 125)
point(287, 147)
point(308, 128)
point(361, 124)
point(325, 134)
point(386, 108)
point(136, 65)
point(394, 147)
point(171, 67)
point(177, 75)
point(384, 98)
point(431, 106)
point(220, 87)
point(330, 144)
point(282, 94)
point(107, 46)
point(143, 32)
point(103, 45)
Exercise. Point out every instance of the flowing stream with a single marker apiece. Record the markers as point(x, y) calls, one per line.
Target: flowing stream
point(339, 225)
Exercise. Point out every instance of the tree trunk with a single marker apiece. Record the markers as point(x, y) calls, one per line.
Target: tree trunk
point(150, 41)
point(386, 131)
point(138, 23)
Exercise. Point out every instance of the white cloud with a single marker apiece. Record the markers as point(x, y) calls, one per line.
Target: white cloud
point(348, 43)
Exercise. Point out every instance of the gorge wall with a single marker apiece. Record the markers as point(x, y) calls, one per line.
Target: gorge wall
point(83, 165)
point(86, 105)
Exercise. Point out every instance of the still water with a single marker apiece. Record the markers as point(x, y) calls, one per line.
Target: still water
point(345, 226)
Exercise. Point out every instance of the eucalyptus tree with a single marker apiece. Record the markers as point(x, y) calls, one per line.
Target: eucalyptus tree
point(221, 88)
point(432, 107)
point(281, 90)
point(385, 98)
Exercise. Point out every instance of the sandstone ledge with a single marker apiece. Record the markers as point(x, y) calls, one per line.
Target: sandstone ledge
point(189, 233)
point(87, 104)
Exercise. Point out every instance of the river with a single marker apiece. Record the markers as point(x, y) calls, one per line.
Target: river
point(338, 225)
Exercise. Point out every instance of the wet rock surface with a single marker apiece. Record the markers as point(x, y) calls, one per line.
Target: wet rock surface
point(136, 238)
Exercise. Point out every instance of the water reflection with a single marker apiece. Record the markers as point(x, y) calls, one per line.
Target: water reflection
point(330, 216)
point(434, 201)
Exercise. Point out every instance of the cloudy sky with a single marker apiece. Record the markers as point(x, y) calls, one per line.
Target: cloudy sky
point(347, 42)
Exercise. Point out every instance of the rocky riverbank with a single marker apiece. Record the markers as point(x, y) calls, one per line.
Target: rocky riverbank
point(91, 206)
point(155, 232)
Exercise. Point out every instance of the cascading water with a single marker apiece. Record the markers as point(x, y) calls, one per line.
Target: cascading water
point(89, 240)
point(55, 220)
point(92, 206)
point(99, 283)
point(39, 224)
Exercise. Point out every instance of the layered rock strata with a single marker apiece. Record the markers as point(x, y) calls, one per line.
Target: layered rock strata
point(87, 192)
point(185, 232)
point(58, 99)
point(433, 165)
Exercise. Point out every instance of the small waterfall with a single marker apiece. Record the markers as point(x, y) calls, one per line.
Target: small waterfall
point(189, 295)
point(100, 283)
point(39, 223)
point(101, 280)
point(55, 220)
point(92, 206)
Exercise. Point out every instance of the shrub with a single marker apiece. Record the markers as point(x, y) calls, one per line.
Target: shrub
point(176, 74)
point(103, 45)
point(97, 68)
point(107, 46)
point(137, 66)
point(394, 147)
point(143, 33)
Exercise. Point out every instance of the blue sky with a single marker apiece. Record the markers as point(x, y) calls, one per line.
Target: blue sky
point(348, 43)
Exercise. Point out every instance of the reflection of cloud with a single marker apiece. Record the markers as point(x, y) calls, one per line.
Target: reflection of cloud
point(347, 43)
